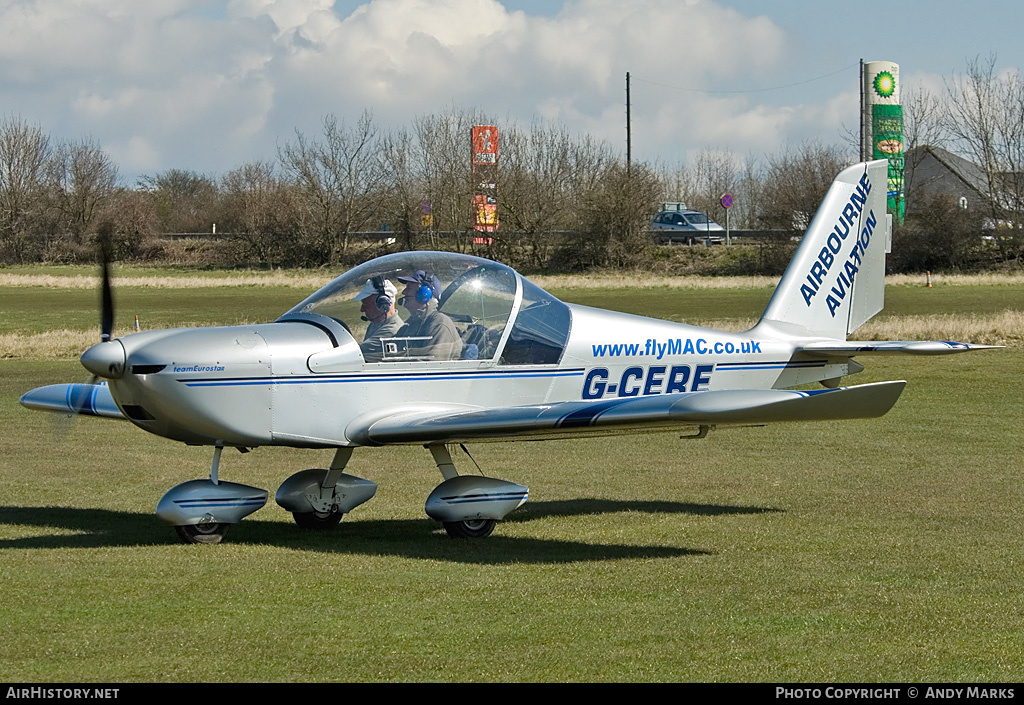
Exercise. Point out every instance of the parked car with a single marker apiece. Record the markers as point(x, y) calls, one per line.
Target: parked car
point(685, 226)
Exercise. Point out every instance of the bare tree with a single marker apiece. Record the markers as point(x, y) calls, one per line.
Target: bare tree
point(985, 120)
point(185, 201)
point(259, 212)
point(923, 120)
point(536, 174)
point(135, 231)
point(338, 181)
point(939, 236)
point(406, 192)
point(615, 217)
point(750, 191)
point(799, 180)
point(24, 154)
point(543, 171)
point(924, 125)
point(700, 185)
point(82, 180)
point(443, 156)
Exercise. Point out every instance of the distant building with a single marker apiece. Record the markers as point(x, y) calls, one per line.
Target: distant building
point(933, 171)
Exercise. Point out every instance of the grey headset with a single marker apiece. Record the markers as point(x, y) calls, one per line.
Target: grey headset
point(384, 301)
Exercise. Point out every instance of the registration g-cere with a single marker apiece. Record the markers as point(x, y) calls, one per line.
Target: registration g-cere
point(656, 379)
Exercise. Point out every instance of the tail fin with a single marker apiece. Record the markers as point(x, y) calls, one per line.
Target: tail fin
point(836, 280)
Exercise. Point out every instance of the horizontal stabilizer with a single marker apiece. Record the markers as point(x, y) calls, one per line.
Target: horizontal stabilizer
point(890, 347)
point(88, 399)
point(620, 415)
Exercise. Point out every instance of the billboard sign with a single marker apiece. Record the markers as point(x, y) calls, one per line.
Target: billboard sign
point(485, 145)
point(484, 141)
point(885, 116)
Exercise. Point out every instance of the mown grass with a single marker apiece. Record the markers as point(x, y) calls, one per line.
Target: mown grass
point(881, 550)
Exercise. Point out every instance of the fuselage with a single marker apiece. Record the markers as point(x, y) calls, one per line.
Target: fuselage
point(301, 383)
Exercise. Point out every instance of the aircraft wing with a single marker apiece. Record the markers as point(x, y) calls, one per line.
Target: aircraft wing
point(608, 416)
point(849, 348)
point(88, 399)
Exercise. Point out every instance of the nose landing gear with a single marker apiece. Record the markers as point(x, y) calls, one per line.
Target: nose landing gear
point(201, 511)
point(207, 530)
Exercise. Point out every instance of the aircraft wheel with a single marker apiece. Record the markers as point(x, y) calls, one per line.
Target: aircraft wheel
point(202, 533)
point(470, 528)
point(318, 521)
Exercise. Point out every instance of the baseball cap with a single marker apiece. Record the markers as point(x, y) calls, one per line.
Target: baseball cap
point(369, 288)
point(422, 278)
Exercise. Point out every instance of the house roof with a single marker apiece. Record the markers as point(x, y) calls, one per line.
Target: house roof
point(933, 170)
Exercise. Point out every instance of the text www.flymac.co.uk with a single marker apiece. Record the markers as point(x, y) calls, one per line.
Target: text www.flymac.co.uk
point(677, 346)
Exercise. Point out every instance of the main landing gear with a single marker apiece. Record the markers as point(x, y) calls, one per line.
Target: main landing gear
point(319, 498)
point(468, 506)
point(202, 511)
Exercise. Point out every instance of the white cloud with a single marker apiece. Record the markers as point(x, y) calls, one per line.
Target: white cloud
point(193, 84)
point(135, 155)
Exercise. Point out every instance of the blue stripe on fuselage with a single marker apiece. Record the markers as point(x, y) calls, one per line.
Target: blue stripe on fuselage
point(393, 377)
point(734, 366)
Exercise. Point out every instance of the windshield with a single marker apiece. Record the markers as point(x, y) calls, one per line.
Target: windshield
point(541, 330)
point(420, 306)
point(697, 218)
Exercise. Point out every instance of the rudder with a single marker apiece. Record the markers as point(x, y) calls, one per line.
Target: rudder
point(836, 279)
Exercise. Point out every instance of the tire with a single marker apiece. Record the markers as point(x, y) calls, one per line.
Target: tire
point(202, 533)
point(470, 528)
point(314, 521)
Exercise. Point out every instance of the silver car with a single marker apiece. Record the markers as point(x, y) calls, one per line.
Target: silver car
point(685, 226)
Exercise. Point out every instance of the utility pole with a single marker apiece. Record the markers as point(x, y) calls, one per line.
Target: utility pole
point(863, 111)
point(629, 142)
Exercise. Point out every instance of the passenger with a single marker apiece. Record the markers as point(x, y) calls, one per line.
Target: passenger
point(378, 298)
point(441, 337)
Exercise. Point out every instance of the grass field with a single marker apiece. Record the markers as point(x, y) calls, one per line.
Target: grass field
point(881, 550)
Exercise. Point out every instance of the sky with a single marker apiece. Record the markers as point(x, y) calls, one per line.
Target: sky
point(209, 85)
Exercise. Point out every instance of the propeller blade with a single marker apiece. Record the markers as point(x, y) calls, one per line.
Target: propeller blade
point(78, 399)
point(106, 299)
point(79, 396)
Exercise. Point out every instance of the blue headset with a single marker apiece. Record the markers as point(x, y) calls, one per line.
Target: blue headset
point(426, 290)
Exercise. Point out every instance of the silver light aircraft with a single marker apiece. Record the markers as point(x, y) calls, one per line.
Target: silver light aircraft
point(485, 355)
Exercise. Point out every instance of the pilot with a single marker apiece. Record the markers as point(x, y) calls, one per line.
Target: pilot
point(378, 298)
point(425, 321)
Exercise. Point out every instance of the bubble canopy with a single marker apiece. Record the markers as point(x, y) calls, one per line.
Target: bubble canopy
point(499, 314)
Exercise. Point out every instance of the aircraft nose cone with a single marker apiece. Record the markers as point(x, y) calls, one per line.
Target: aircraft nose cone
point(106, 359)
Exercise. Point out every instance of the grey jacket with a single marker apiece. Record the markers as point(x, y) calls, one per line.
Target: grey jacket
point(388, 328)
point(445, 342)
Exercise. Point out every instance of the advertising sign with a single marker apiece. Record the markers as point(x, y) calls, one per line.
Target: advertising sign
point(484, 141)
point(485, 145)
point(885, 115)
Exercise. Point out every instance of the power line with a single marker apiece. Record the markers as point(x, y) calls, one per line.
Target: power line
point(753, 90)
